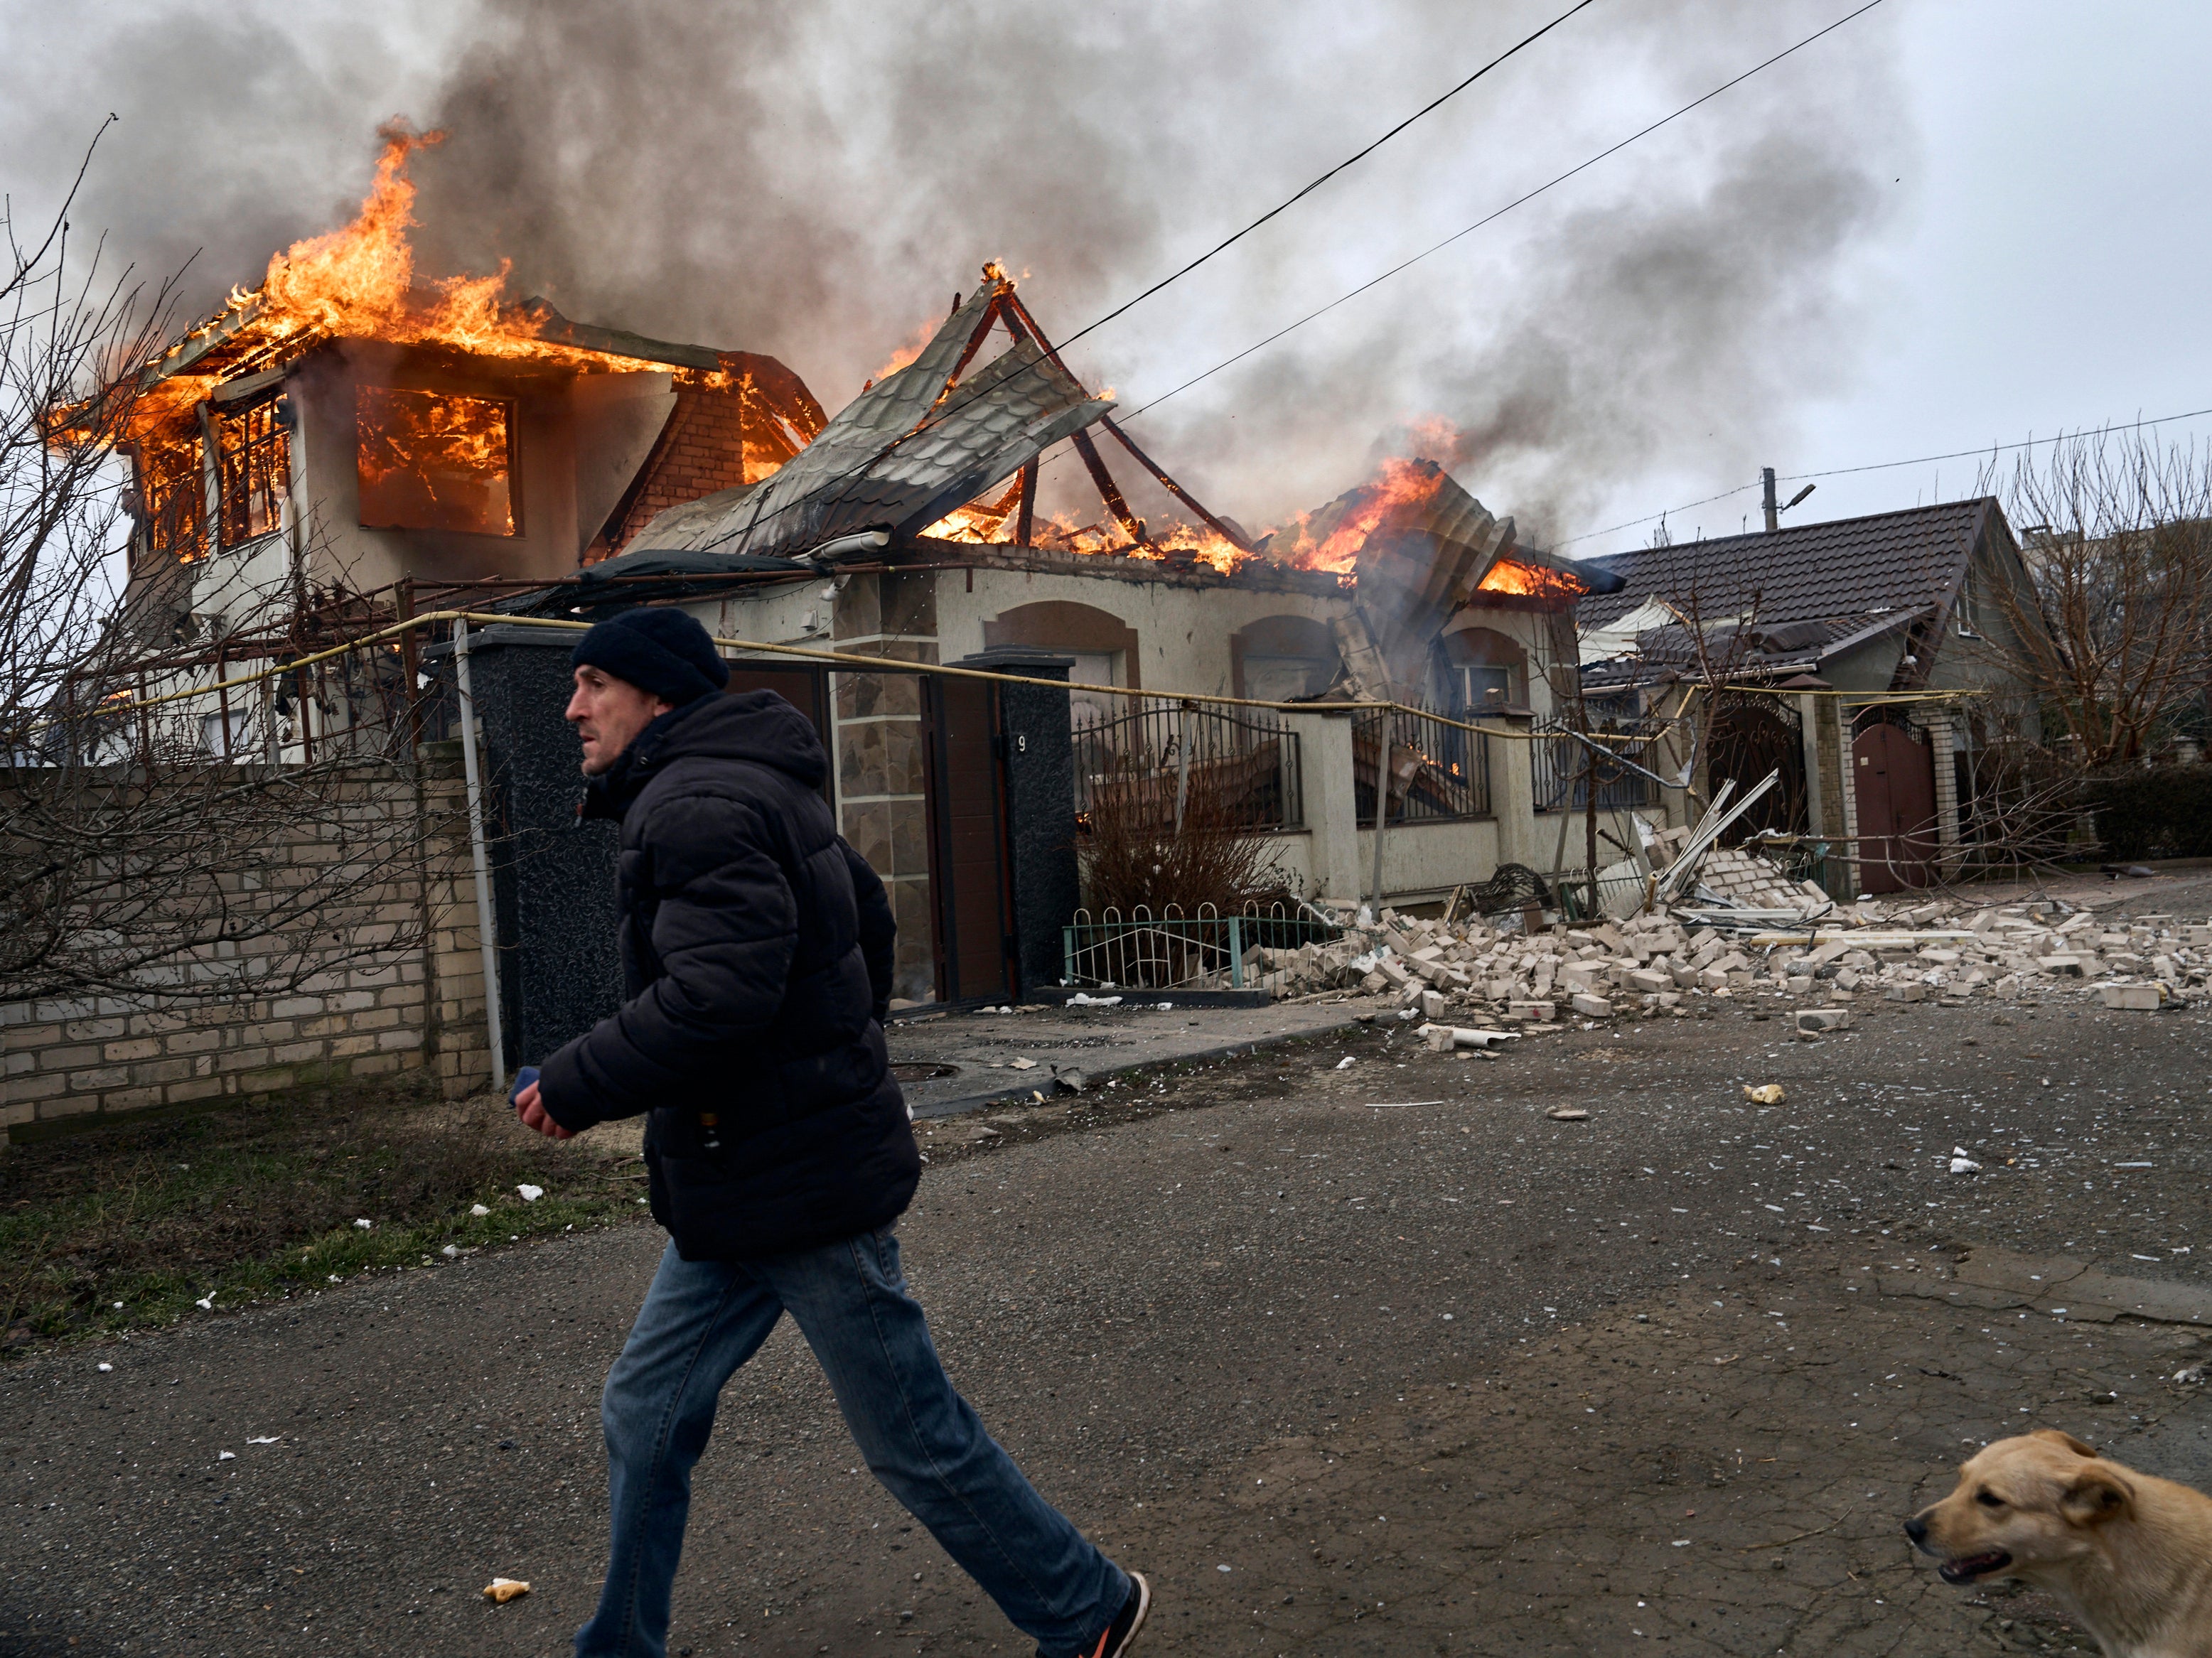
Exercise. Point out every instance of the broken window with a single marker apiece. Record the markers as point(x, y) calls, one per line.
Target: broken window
point(1485, 685)
point(173, 500)
point(430, 460)
point(256, 463)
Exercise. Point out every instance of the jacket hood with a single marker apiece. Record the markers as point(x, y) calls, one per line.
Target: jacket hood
point(756, 726)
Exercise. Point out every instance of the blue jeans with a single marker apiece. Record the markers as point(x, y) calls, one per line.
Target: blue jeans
point(701, 1320)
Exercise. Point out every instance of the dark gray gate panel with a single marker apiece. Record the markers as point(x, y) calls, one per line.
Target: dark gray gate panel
point(553, 877)
point(1039, 771)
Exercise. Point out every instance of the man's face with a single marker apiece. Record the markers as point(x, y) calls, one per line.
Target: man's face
point(608, 713)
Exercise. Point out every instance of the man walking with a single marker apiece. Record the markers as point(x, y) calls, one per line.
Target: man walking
point(757, 960)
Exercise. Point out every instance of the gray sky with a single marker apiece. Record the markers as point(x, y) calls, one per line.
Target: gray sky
point(1953, 222)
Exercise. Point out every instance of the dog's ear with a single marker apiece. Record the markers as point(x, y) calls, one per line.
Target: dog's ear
point(2060, 1438)
point(2096, 1494)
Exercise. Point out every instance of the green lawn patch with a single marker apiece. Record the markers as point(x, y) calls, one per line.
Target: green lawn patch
point(248, 1202)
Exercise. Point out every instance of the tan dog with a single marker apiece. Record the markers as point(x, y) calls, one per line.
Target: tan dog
point(2127, 1554)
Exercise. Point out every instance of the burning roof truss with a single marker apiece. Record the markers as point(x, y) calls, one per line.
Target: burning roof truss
point(927, 442)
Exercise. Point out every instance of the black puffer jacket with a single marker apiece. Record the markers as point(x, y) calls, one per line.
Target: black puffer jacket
point(757, 957)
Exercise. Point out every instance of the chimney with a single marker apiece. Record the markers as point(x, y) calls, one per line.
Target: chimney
point(1766, 499)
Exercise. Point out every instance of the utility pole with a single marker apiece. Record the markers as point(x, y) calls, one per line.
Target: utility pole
point(1766, 493)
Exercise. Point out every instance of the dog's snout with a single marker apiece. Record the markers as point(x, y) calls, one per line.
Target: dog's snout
point(1916, 1528)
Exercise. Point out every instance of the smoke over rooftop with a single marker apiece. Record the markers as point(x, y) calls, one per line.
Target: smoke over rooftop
point(815, 183)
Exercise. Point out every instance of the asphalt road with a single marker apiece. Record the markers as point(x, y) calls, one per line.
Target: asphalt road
point(1448, 1377)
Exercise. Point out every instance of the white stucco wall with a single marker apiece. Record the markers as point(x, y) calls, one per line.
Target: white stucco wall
point(1183, 632)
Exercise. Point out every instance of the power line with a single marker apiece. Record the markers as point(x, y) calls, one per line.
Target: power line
point(1425, 109)
point(1176, 275)
point(1500, 213)
point(1846, 472)
point(1383, 277)
point(1961, 454)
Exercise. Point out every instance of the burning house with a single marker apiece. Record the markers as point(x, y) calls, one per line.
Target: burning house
point(345, 444)
point(342, 430)
point(909, 529)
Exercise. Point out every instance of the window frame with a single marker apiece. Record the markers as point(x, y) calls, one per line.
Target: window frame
point(510, 408)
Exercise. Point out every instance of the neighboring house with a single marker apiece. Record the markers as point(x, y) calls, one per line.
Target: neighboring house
point(1834, 640)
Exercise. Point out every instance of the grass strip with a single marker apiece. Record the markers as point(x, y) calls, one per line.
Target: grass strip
point(136, 1224)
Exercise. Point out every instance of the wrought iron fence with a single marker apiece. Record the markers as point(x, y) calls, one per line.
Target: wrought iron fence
point(1174, 951)
point(1243, 763)
point(1439, 773)
point(1562, 777)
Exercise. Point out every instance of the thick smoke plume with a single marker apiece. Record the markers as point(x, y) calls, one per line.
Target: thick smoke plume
point(816, 182)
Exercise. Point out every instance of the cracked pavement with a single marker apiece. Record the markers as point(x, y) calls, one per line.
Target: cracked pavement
point(1449, 1377)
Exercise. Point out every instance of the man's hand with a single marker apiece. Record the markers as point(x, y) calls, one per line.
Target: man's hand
point(532, 1110)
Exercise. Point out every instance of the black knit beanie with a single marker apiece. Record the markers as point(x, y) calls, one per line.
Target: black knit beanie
point(661, 651)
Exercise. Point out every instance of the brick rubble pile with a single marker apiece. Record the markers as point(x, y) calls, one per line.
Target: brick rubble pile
point(1656, 965)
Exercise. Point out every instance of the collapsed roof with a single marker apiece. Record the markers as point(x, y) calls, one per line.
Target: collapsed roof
point(909, 450)
point(1422, 550)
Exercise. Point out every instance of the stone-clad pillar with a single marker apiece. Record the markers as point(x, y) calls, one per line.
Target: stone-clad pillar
point(882, 804)
point(1941, 742)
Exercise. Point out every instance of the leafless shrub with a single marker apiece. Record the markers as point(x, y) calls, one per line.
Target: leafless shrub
point(203, 847)
point(1135, 851)
point(2108, 620)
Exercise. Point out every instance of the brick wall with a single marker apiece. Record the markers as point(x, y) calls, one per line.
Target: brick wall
point(395, 985)
point(732, 428)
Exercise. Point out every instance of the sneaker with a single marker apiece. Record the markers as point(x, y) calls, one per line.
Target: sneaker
point(1121, 1634)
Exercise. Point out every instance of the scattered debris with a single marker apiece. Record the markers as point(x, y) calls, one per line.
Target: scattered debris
point(1962, 1162)
point(1443, 1038)
point(531, 1194)
point(478, 1211)
point(1765, 1094)
point(1746, 929)
point(364, 1225)
point(501, 1590)
point(1568, 1114)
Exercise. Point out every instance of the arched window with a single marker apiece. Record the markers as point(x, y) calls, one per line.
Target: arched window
point(1103, 646)
point(1479, 668)
point(1280, 658)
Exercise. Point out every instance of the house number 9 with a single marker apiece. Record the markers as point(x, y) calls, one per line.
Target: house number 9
point(1021, 744)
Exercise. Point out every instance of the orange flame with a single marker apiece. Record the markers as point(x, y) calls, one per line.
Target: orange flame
point(358, 281)
point(1331, 540)
point(1509, 576)
point(428, 461)
point(906, 354)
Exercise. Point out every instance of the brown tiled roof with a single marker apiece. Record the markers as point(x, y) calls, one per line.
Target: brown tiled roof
point(1847, 570)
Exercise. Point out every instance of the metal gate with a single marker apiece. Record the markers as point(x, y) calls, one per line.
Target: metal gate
point(970, 868)
point(1894, 775)
point(1754, 734)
